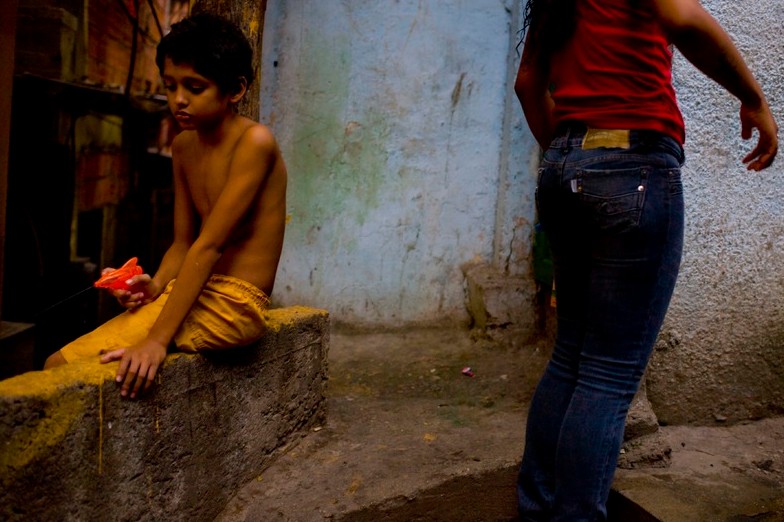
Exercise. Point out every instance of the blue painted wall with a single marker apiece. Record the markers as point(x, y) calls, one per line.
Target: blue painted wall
point(406, 151)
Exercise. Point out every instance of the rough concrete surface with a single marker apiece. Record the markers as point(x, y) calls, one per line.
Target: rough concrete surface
point(733, 473)
point(72, 449)
point(409, 437)
point(720, 358)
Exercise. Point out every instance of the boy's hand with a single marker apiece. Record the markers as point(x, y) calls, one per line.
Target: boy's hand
point(138, 366)
point(140, 291)
point(117, 278)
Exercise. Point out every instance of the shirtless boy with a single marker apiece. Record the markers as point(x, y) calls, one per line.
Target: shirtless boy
point(211, 289)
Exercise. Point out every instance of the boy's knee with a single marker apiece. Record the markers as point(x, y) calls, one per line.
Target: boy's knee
point(54, 360)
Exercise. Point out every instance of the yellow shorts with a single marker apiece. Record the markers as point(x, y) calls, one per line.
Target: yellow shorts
point(228, 313)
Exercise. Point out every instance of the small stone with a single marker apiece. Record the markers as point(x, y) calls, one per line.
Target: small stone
point(764, 465)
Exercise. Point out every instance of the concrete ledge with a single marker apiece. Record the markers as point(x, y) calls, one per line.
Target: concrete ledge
point(72, 449)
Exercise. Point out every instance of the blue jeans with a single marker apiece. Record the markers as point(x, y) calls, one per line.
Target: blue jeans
point(614, 219)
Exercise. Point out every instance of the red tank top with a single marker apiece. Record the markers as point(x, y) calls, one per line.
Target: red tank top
point(615, 73)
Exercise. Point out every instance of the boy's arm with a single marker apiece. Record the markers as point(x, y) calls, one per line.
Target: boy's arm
point(249, 167)
point(700, 38)
point(532, 89)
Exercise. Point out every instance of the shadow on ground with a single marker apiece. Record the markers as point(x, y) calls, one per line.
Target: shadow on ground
point(484, 497)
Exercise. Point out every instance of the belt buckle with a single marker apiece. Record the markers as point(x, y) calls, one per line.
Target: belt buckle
point(608, 138)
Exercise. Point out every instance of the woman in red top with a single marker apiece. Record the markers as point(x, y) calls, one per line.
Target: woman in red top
point(595, 86)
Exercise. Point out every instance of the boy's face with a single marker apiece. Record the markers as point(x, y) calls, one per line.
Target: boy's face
point(195, 101)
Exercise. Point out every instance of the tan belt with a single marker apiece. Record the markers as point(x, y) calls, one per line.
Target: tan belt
point(608, 138)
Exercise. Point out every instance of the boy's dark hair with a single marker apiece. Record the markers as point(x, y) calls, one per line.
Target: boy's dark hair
point(214, 46)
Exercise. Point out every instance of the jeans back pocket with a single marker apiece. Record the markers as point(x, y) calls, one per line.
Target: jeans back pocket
point(612, 199)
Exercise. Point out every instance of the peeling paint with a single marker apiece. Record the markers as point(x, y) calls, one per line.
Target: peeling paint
point(253, 28)
point(49, 384)
point(278, 318)
point(456, 91)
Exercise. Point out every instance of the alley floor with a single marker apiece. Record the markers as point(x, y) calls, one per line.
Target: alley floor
point(427, 425)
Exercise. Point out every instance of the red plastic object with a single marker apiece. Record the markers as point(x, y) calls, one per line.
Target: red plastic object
point(116, 279)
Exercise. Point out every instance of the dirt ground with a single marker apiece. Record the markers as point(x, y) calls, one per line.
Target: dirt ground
point(428, 425)
point(732, 473)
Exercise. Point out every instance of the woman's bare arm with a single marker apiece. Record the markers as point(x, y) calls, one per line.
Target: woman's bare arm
point(532, 89)
point(700, 38)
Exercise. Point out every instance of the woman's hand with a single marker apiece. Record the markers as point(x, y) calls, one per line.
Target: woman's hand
point(759, 118)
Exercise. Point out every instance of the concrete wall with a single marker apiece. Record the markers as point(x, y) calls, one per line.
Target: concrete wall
point(71, 449)
point(406, 150)
point(720, 352)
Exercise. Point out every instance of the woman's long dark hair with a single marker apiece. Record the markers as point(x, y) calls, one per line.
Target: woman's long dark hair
point(551, 23)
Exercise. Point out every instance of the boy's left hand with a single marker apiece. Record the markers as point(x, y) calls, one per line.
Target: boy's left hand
point(138, 366)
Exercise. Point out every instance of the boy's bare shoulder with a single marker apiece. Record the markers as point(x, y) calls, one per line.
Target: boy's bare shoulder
point(253, 136)
point(259, 136)
point(182, 142)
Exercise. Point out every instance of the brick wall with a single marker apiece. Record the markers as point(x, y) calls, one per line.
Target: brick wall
point(110, 40)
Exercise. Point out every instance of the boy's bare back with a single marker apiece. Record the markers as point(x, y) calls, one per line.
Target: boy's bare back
point(226, 168)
